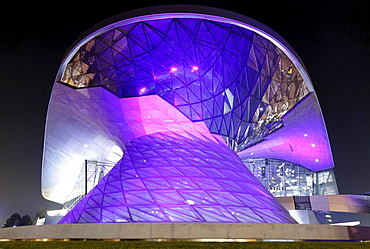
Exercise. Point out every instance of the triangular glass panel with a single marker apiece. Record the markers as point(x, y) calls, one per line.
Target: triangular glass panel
point(161, 26)
point(197, 197)
point(117, 35)
point(167, 197)
point(209, 184)
point(107, 37)
point(260, 41)
point(244, 214)
point(148, 213)
point(204, 34)
point(249, 200)
point(252, 78)
point(169, 171)
point(156, 183)
point(138, 198)
point(218, 32)
point(182, 183)
point(108, 216)
point(102, 65)
point(224, 128)
point(196, 112)
point(136, 49)
point(252, 61)
point(181, 214)
point(85, 217)
point(100, 45)
point(215, 214)
point(154, 36)
point(132, 184)
point(225, 198)
point(229, 185)
point(260, 55)
point(91, 203)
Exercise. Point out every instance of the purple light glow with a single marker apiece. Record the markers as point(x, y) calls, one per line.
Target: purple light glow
point(175, 165)
point(151, 114)
point(175, 170)
point(287, 143)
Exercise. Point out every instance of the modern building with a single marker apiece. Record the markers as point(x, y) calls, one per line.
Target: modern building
point(183, 114)
point(339, 210)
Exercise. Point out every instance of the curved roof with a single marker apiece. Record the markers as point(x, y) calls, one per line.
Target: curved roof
point(187, 11)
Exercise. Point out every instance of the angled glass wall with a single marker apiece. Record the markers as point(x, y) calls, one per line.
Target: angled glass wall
point(91, 174)
point(325, 183)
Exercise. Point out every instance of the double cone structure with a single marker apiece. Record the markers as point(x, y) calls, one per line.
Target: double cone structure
point(174, 97)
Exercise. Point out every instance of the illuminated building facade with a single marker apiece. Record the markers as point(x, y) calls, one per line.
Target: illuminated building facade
point(165, 112)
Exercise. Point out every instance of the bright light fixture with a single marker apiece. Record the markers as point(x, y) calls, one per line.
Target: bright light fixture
point(194, 68)
point(142, 90)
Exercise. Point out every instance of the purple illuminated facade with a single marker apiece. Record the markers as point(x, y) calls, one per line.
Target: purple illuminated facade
point(178, 99)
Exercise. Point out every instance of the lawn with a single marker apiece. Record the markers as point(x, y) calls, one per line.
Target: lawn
point(184, 245)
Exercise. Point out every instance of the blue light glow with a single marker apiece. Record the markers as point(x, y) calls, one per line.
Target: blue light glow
point(183, 99)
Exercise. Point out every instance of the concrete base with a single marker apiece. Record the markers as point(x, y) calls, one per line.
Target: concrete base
point(187, 231)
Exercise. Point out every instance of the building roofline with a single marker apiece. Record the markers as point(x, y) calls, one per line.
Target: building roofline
point(187, 11)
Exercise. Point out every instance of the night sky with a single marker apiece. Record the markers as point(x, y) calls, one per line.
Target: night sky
point(331, 37)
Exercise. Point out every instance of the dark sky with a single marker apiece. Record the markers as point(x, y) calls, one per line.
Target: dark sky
point(331, 37)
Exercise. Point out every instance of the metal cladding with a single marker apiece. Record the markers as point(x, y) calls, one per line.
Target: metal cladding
point(175, 101)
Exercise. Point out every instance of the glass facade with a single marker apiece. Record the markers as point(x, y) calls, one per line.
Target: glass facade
point(325, 183)
point(236, 81)
point(283, 178)
point(175, 101)
point(171, 177)
point(91, 174)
